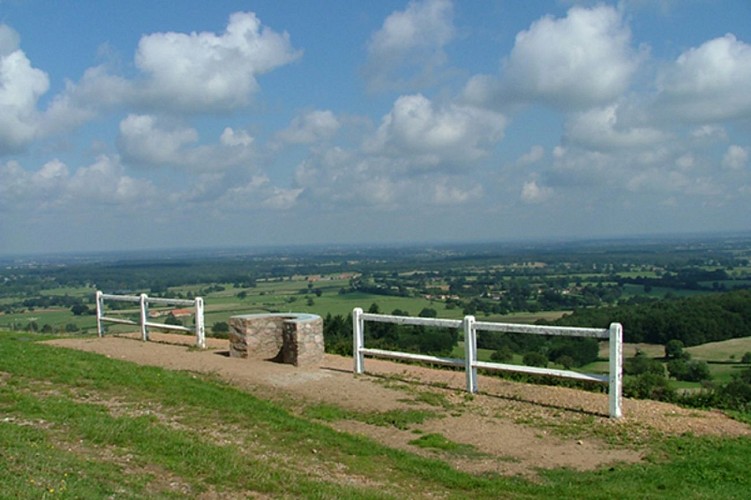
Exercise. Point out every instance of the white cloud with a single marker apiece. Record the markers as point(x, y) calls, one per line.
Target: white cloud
point(447, 193)
point(105, 182)
point(232, 137)
point(408, 48)
point(599, 129)
point(532, 192)
point(708, 83)
point(21, 86)
point(143, 141)
point(736, 157)
point(208, 72)
point(535, 154)
point(576, 62)
point(282, 199)
point(311, 127)
point(54, 186)
point(97, 91)
point(425, 134)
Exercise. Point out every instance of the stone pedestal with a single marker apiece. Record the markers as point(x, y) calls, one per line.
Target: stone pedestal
point(295, 339)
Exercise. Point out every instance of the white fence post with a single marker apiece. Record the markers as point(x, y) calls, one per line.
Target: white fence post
point(358, 326)
point(615, 387)
point(470, 353)
point(99, 313)
point(200, 326)
point(144, 317)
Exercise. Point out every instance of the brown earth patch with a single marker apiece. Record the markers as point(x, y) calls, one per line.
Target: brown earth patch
point(515, 428)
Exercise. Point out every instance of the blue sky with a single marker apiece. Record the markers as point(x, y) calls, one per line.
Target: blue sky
point(150, 124)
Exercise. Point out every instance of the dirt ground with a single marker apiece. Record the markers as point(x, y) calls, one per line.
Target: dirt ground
point(515, 428)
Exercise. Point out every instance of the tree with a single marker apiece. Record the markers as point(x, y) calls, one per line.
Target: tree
point(502, 355)
point(220, 327)
point(674, 349)
point(428, 312)
point(746, 358)
point(79, 309)
point(641, 364)
point(567, 361)
point(535, 359)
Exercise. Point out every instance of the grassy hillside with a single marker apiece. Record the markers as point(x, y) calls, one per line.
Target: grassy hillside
point(79, 425)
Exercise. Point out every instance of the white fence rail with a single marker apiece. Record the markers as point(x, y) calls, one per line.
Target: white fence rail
point(144, 300)
point(614, 335)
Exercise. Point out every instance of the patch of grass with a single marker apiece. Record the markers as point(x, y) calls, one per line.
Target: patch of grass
point(439, 442)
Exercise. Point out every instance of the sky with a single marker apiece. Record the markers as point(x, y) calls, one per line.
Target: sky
point(193, 124)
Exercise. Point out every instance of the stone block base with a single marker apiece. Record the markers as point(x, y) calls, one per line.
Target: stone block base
point(295, 339)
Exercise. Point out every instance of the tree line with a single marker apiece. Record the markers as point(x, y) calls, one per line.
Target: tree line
point(692, 320)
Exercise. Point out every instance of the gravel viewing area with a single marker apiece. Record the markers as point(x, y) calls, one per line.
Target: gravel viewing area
point(514, 426)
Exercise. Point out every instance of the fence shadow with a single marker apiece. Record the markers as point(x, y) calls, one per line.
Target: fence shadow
point(505, 397)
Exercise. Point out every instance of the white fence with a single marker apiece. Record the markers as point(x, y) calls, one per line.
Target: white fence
point(144, 300)
point(470, 326)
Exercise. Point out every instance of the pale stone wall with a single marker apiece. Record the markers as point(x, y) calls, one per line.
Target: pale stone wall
point(295, 339)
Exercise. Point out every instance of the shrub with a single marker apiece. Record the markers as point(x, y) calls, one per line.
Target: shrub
point(502, 355)
point(567, 361)
point(535, 359)
point(649, 385)
point(641, 364)
point(674, 349)
point(689, 371)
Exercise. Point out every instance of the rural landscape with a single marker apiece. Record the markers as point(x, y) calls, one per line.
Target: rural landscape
point(377, 249)
point(163, 418)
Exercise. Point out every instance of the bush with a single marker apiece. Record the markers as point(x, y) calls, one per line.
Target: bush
point(641, 364)
point(674, 349)
point(567, 361)
point(502, 355)
point(649, 385)
point(220, 330)
point(678, 368)
point(535, 359)
point(746, 358)
point(698, 371)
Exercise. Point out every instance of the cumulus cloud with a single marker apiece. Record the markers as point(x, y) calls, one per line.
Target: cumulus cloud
point(143, 141)
point(599, 129)
point(209, 72)
point(97, 91)
point(444, 192)
point(736, 157)
point(21, 86)
point(105, 182)
point(708, 83)
point(311, 127)
point(532, 192)
point(426, 134)
point(147, 140)
point(535, 154)
point(19, 188)
point(54, 186)
point(576, 62)
point(408, 48)
point(231, 137)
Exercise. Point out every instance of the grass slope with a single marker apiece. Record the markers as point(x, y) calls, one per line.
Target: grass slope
point(81, 425)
